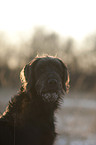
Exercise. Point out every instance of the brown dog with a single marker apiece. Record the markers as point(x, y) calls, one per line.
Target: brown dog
point(29, 117)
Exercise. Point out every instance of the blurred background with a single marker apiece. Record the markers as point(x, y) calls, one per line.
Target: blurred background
point(62, 28)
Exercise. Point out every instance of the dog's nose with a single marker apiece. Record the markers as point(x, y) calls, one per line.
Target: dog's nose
point(52, 82)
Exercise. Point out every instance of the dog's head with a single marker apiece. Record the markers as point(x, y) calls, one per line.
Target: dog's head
point(47, 77)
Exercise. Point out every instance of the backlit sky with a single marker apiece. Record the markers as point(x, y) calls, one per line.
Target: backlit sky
point(76, 18)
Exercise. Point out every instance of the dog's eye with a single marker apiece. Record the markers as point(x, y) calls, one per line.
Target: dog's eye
point(58, 70)
point(41, 70)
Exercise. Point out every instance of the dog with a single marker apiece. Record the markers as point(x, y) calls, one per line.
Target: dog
point(29, 116)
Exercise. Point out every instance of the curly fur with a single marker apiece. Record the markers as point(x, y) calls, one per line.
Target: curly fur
point(29, 117)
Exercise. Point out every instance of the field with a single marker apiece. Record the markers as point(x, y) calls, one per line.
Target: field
point(75, 121)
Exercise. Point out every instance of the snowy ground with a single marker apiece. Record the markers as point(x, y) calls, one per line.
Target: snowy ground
point(76, 120)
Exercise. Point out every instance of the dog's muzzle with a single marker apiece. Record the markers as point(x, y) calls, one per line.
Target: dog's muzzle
point(50, 89)
point(50, 97)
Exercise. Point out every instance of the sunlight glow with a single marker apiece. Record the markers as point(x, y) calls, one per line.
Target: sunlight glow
point(67, 17)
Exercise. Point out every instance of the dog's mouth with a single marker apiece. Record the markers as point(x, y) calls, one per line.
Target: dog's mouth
point(52, 96)
point(51, 92)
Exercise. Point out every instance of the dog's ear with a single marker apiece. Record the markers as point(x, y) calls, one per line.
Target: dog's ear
point(27, 75)
point(66, 77)
point(66, 80)
point(24, 75)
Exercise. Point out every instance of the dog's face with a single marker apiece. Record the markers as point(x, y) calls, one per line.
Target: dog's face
point(48, 76)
